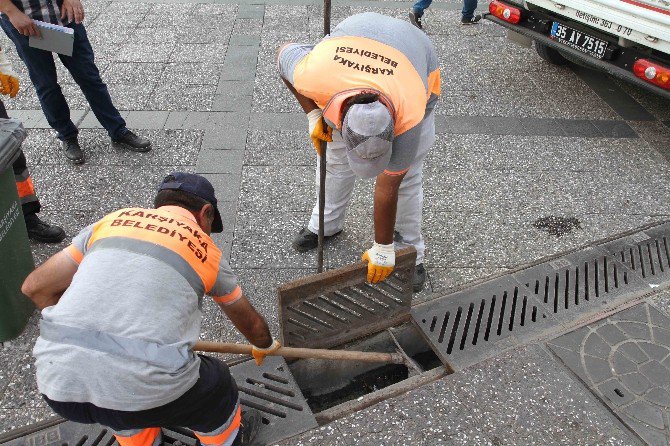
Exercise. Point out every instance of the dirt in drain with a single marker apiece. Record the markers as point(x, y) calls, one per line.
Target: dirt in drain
point(557, 226)
point(360, 385)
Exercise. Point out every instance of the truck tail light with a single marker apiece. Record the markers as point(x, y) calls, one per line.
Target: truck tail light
point(507, 13)
point(653, 73)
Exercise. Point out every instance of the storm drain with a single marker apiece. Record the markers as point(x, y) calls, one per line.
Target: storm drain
point(269, 388)
point(474, 324)
point(647, 253)
point(334, 307)
point(625, 361)
point(272, 390)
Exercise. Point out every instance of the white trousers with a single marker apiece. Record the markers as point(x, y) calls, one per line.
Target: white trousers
point(340, 181)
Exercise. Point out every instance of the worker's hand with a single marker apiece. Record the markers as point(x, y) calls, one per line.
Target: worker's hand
point(9, 80)
point(381, 261)
point(259, 354)
point(73, 10)
point(23, 23)
point(318, 130)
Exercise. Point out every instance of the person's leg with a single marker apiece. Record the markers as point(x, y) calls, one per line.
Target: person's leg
point(468, 11)
point(419, 7)
point(84, 71)
point(409, 214)
point(340, 180)
point(42, 72)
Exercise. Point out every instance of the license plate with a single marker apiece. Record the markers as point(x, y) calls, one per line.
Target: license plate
point(578, 40)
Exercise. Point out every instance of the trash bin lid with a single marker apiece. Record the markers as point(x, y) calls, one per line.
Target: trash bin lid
point(12, 135)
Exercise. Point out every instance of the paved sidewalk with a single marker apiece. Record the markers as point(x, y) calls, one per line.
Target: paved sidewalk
point(519, 140)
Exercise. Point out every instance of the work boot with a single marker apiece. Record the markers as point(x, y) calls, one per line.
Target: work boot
point(133, 142)
point(251, 423)
point(419, 277)
point(43, 232)
point(306, 240)
point(471, 21)
point(72, 150)
point(415, 19)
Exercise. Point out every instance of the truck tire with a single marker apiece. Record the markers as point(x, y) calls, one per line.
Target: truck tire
point(549, 54)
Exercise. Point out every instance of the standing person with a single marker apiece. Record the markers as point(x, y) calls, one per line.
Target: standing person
point(375, 81)
point(38, 230)
point(468, 16)
point(121, 313)
point(17, 22)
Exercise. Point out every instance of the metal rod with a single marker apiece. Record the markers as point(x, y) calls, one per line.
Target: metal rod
point(302, 353)
point(322, 203)
point(326, 17)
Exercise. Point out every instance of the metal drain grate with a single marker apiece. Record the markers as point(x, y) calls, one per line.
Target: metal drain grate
point(471, 325)
point(272, 390)
point(625, 361)
point(337, 306)
point(647, 253)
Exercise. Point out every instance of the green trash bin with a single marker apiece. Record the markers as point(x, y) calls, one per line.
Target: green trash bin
point(16, 260)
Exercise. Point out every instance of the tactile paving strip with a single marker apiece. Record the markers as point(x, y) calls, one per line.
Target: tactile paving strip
point(646, 252)
point(269, 388)
point(625, 361)
point(272, 390)
point(331, 308)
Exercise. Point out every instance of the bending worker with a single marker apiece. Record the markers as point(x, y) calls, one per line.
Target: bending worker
point(121, 312)
point(374, 81)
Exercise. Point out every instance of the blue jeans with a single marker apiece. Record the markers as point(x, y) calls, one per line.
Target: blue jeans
point(42, 71)
point(420, 5)
point(469, 7)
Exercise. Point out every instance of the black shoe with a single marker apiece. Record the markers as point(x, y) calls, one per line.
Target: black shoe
point(471, 21)
point(43, 232)
point(419, 277)
point(133, 142)
point(415, 19)
point(72, 151)
point(251, 423)
point(306, 240)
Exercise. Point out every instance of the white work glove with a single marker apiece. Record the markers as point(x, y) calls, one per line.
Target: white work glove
point(259, 354)
point(381, 261)
point(9, 80)
point(318, 130)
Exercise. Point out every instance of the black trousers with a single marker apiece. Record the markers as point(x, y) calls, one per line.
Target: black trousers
point(24, 183)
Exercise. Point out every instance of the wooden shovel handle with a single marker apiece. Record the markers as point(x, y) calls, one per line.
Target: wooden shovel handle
point(295, 353)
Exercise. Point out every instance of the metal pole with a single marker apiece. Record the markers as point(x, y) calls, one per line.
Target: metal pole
point(322, 159)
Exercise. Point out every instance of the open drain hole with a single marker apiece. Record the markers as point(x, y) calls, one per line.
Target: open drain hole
point(618, 392)
point(326, 384)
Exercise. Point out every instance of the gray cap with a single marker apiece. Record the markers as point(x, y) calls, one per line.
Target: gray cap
point(367, 131)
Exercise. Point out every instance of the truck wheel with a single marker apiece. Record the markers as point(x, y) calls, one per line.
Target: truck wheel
point(549, 54)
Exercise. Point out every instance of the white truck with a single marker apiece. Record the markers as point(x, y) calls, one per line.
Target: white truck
point(629, 39)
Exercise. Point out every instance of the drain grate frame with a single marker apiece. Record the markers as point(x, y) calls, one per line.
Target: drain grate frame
point(338, 306)
point(624, 360)
point(646, 252)
point(272, 389)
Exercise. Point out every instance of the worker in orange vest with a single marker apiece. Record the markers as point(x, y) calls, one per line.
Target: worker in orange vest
point(369, 89)
point(38, 230)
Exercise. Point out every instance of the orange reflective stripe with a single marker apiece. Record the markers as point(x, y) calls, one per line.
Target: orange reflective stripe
point(225, 435)
point(73, 252)
point(395, 174)
point(145, 438)
point(230, 297)
point(345, 63)
point(434, 81)
point(25, 188)
point(167, 229)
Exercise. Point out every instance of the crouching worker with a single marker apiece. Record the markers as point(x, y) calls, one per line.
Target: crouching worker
point(121, 312)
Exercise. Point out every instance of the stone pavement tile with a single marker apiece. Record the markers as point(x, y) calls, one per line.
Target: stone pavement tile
point(220, 161)
point(278, 121)
point(101, 34)
point(655, 134)
point(140, 52)
point(290, 222)
point(36, 143)
point(26, 99)
point(268, 249)
point(240, 63)
point(519, 398)
point(283, 148)
point(191, 73)
point(231, 102)
point(21, 391)
point(615, 129)
point(236, 90)
point(16, 418)
point(282, 17)
point(268, 189)
point(443, 281)
point(155, 36)
point(248, 27)
point(653, 103)
point(141, 119)
point(226, 185)
point(71, 220)
point(250, 11)
point(132, 96)
point(226, 131)
point(661, 301)
point(208, 52)
point(182, 98)
point(99, 188)
point(131, 72)
point(244, 40)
